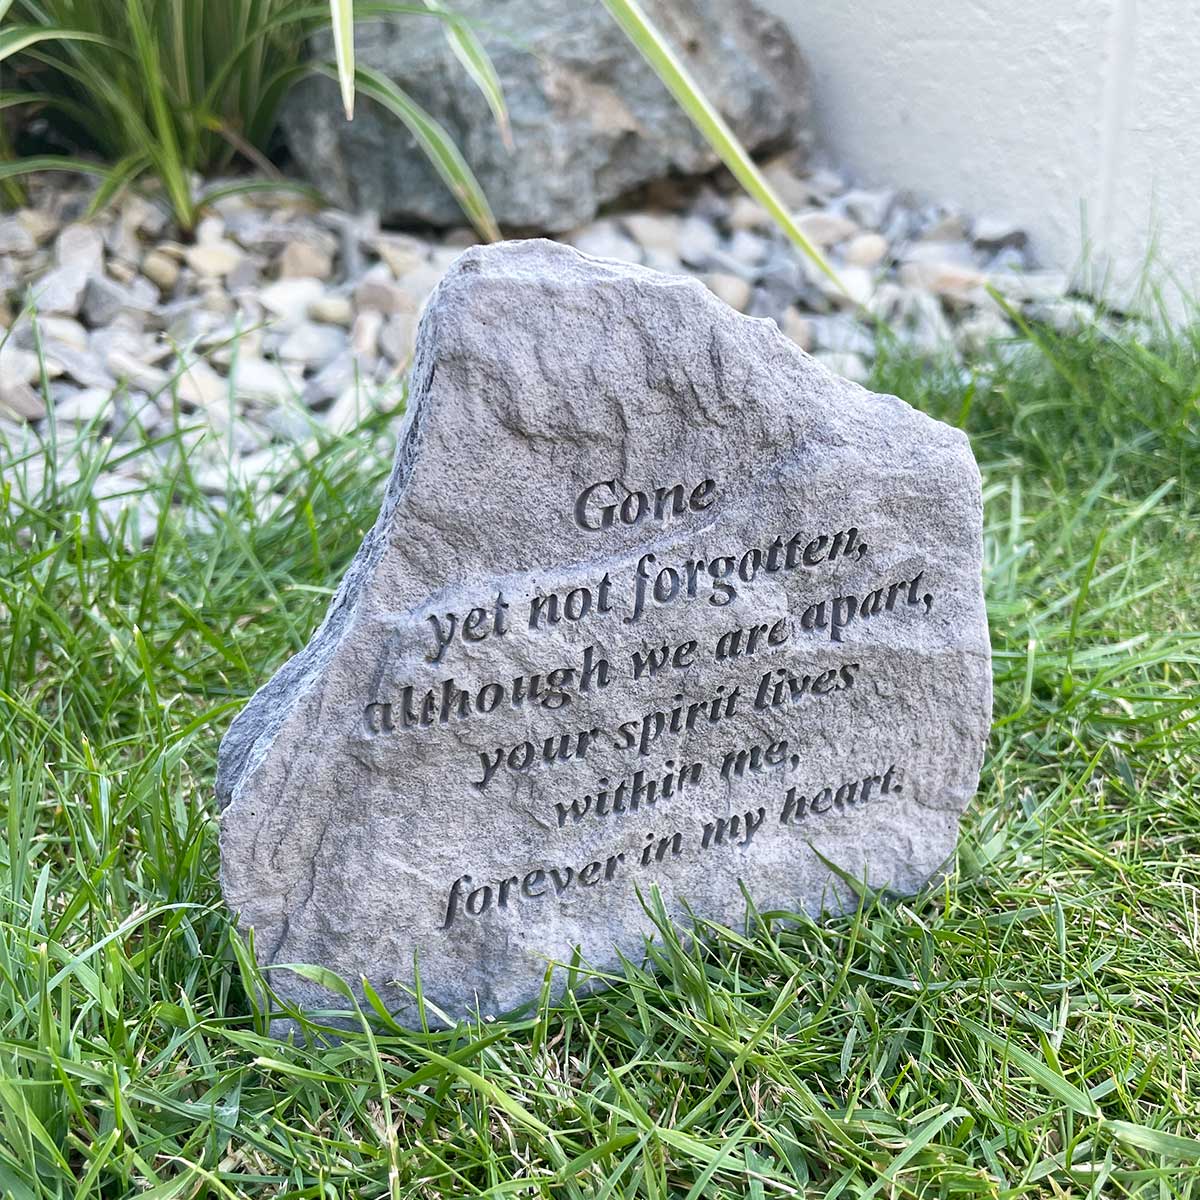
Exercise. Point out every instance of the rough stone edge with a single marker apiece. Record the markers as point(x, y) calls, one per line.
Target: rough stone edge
point(270, 706)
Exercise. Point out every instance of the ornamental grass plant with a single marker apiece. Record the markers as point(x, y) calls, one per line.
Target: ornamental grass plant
point(170, 92)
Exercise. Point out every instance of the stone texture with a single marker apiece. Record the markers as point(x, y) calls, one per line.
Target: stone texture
point(371, 810)
point(377, 290)
point(332, 310)
point(199, 385)
point(942, 278)
point(868, 208)
point(266, 382)
point(20, 400)
point(853, 287)
point(312, 344)
point(104, 300)
point(590, 120)
point(287, 300)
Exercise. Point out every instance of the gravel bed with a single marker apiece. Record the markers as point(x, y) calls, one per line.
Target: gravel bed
point(279, 320)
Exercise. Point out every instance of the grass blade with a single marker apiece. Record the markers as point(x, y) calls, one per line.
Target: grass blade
point(445, 156)
point(469, 51)
point(169, 161)
point(247, 187)
point(924, 1136)
point(51, 162)
point(16, 38)
point(1077, 1100)
point(1170, 1145)
point(119, 176)
point(341, 17)
point(655, 49)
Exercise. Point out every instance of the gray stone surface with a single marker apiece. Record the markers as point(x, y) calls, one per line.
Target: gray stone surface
point(590, 120)
point(608, 727)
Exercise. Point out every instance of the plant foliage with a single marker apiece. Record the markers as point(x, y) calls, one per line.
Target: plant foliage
point(173, 89)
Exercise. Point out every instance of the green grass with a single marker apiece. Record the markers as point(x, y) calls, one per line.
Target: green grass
point(1030, 1028)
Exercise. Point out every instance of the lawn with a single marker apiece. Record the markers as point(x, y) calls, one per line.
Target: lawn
point(1029, 1028)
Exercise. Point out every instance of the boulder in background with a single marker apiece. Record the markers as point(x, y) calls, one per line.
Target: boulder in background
point(590, 119)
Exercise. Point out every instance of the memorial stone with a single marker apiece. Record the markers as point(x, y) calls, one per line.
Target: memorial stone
point(653, 600)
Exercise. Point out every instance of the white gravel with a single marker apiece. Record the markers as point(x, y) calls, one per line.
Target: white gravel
point(279, 319)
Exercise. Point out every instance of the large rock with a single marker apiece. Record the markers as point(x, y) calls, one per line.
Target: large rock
point(590, 120)
point(652, 599)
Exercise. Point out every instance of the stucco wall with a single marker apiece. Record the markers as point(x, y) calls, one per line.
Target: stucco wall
point(1079, 118)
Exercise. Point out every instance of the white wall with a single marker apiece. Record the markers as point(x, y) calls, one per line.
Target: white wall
point(1062, 114)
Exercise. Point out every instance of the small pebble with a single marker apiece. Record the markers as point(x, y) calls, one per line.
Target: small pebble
point(1030, 286)
point(379, 292)
point(20, 400)
point(603, 239)
point(199, 385)
point(799, 328)
point(950, 227)
point(995, 233)
point(856, 286)
point(80, 245)
point(40, 226)
point(869, 209)
point(15, 238)
point(746, 213)
point(793, 189)
point(287, 300)
point(305, 260)
point(84, 404)
point(866, 250)
point(263, 382)
point(848, 366)
point(312, 345)
point(213, 258)
point(698, 241)
point(733, 289)
point(364, 334)
point(748, 248)
point(61, 290)
point(943, 279)
point(399, 252)
point(654, 231)
point(332, 310)
point(825, 229)
point(161, 269)
point(396, 337)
